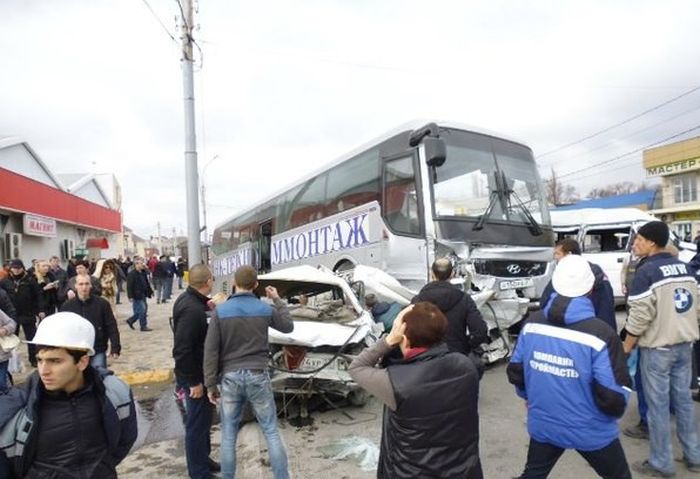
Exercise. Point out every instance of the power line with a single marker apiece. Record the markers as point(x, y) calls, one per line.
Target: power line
point(172, 37)
point(633, 162)
point(184, 19)
point(605, 130)
point(610, 160)
point(606, 145)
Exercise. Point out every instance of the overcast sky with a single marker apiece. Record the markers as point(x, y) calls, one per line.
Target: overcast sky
point(287, 86)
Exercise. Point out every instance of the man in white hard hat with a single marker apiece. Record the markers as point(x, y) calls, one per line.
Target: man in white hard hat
point(42, 437)
point(570, 368)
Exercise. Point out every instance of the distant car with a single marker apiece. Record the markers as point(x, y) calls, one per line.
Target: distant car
point(330, 329)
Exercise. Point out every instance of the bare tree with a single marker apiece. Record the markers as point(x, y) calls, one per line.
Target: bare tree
point(621, 188)
point(559, 193)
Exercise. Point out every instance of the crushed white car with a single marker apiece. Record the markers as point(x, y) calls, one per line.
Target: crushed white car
point(330, 328)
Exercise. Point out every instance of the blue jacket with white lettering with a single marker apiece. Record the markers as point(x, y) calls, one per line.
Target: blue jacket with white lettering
point(571, 369)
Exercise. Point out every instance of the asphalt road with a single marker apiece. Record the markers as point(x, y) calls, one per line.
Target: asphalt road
point(312, 448)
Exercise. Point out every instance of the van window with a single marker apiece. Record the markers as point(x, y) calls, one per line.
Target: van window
point(567, 234)
point(606, 240)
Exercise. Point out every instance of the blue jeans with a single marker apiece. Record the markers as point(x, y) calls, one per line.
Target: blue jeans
point(3, 375)
point(666, 376)
point(641, 398)
point(168, 287)
point(197, 433)
point(140, 309)
point(159, 285)
point(99, 359)
point(237, 387)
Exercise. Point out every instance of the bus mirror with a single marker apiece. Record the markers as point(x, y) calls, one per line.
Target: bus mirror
point(435, 151)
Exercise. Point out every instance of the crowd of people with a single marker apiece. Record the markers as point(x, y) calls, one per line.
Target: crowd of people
point(572, 364)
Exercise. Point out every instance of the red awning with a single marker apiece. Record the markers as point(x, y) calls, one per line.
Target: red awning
point(24, 195)
point(97, 243)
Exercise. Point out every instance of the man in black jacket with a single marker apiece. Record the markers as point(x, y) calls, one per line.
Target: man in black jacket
point(6, 304)
point(137, 289)
point(466, 328)
point(98, 311)
point(190, 328)
point(25, 295)
point(70, 420)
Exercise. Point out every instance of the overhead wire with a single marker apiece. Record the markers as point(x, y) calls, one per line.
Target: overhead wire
point(636, 132)
point(155, 15)
point(637, 150)
point(635, 162)
point(628, 120)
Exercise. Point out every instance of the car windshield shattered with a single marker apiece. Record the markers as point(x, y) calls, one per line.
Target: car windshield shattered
point(330, 329)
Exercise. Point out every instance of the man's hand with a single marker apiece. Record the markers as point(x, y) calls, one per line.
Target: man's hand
point(3, 332)
point(629, 343)
point(272, 293)
point(398, 329)
point(70, 294)
point(114, 355)
point(197, 391)
point(213, 397)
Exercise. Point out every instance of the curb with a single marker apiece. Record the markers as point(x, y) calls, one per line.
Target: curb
point(138, 378)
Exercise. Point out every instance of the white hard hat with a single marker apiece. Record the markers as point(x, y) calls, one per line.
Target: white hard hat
point(573, 276)
point(66, 330)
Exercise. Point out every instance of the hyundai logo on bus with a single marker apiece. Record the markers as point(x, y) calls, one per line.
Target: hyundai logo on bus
point(344, 234)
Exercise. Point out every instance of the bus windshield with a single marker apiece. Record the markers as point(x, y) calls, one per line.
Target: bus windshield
point(466, 183)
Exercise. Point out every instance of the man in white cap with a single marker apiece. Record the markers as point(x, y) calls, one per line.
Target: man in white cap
point(570, 368)
point(71, 420)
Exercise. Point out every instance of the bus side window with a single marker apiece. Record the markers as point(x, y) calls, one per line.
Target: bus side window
point(401, 207)
point(353, 183)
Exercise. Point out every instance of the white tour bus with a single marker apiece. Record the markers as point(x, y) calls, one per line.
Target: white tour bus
point(397, 203)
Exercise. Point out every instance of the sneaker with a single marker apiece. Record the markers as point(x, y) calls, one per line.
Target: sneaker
point(146, 329)
point(130, 323)
point(692, 467)
point(644, 468)
point(638, 431)
point(213, 465)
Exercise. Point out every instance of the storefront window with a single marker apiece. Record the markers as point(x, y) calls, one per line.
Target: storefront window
point(685, 188)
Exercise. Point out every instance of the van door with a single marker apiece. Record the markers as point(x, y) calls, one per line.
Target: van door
point(608, 247)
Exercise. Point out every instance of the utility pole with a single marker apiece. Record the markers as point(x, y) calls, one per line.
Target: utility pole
point(204, 200)
point(194, 250)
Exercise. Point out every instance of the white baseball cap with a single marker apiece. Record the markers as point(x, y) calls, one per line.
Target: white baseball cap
point(573, 276)
point(66, 330)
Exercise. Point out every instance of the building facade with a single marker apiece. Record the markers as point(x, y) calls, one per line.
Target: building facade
point(678, 166)
point(40, 216)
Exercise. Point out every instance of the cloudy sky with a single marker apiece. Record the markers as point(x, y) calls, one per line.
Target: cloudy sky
point(285, 86)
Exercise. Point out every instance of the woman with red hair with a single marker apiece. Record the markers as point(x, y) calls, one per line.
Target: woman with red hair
point(431, 420)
